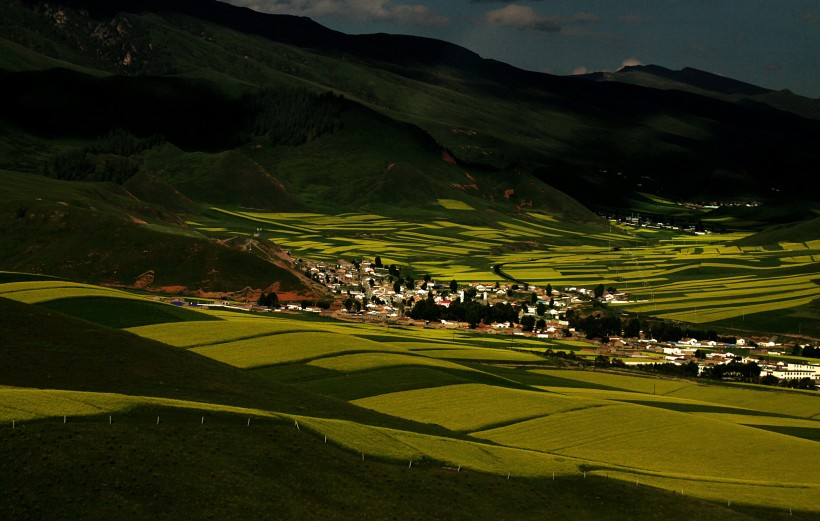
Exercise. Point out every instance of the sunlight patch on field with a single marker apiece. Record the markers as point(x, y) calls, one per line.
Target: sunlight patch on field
point(454, 204)
point(34, 292)
point(650, 439)
point(454, 407)
point(287, 348)
point(367, 361)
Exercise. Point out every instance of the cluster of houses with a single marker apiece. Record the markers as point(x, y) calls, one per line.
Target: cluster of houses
point(368, 291)
point(375, 289)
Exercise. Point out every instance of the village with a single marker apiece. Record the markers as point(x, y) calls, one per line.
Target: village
point(367, 291)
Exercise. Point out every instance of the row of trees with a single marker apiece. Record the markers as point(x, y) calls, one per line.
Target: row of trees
point(607, 324)
point(805, 351)
point(471, 312)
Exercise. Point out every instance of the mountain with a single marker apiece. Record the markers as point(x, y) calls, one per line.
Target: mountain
point(180, 106)
point(712, 85)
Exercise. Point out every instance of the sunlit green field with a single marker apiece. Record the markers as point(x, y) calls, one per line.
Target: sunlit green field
point(700, 279)
point(33, 292)
point(508, 411)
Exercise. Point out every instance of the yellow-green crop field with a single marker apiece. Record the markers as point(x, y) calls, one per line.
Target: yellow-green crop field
point(287, 347)
point(455, 407)
point(509, 412)
point(700, 279)
point(35, 292)
point(365, 361)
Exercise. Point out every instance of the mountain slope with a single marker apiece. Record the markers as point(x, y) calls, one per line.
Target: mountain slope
point(691, 146)
point(711, 85)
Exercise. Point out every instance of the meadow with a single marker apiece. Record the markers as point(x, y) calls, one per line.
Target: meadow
point(473, 403)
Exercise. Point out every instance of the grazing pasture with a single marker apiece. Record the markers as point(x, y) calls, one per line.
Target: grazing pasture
point(286, 348)
point(454, 407)
point(35, 292)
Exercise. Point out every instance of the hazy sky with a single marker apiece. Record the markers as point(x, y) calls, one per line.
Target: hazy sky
point(771, 43)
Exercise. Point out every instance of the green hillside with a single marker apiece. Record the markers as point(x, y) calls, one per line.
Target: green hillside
point(125, 416)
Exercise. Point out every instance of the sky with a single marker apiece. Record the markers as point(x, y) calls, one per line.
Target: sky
point(770, 43)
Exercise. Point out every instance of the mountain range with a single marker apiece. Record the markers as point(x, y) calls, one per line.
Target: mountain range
point(171, 107)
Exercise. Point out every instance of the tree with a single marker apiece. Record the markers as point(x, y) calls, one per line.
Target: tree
point(540, 309)
point(540, 324)
point(453, 286)
point(598, 291)
point(549, 290)
point(601, 361)
point(397, 287)
point(527, 323)
point(427, 277)
point(533, 298)
point(349, 304)
point(632, 328)
point(769, 379)
point(377, 262)
point(469, 294)
point(271, 300)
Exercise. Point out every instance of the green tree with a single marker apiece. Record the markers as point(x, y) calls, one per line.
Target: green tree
point(632, 328)
point(601, 361)
point(527, 323)
point(377, 262)
point(598, 291)
point(453, 286)
point(540, 309)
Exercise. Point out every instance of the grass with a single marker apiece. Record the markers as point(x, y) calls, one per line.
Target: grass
point(286, 348)
point(91, 471)
point(576, 434)
point(454, 406)
point(124, 313)
point(365, 361)
point(406, 395)
point(34, 292)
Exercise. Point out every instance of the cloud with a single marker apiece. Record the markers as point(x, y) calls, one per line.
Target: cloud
point(630, 62)
point(580, 70)
point(524, 17)
point(362, 10)
point(811, 18)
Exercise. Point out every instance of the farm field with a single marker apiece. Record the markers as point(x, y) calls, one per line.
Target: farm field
point(474, 403)
point(698, 279)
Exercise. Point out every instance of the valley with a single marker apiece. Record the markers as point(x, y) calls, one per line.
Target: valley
point(254, 267)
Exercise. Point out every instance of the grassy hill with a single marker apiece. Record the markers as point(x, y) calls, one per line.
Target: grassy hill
point(125, 416)
point(713, 85)
point(565, 131)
